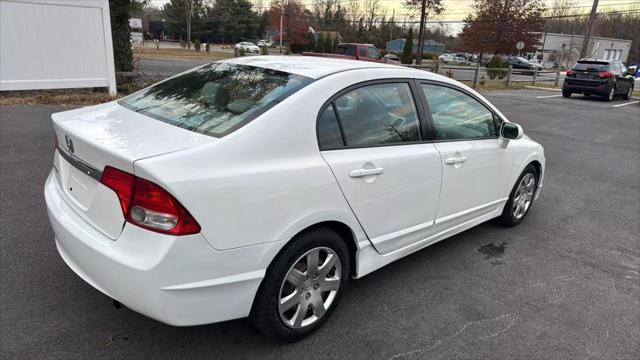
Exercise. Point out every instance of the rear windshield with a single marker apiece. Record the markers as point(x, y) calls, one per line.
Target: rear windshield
point(215, 99)
point(591, 66)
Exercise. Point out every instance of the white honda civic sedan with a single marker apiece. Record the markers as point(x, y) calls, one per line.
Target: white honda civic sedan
point(260, 186)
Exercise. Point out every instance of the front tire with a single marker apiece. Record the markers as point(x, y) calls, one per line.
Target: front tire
point(629, 93)
point(302, 286)
point(566, 93)
point(521, 198)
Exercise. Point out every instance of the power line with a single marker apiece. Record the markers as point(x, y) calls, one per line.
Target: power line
point(637, 11)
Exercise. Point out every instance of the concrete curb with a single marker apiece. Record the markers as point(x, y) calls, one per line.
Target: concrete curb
point(541, 88)
point(558, 90)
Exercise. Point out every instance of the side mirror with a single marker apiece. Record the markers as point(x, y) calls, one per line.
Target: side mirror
point(511, 131)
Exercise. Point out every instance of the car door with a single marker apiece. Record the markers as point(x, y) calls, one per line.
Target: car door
point(371, 136)
point(622, 78)
point(476, 164)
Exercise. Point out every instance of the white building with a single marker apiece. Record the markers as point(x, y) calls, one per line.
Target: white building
point(564, 49)
point(53, 44)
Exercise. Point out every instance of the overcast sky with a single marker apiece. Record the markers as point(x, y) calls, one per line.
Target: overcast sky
point(458, 9)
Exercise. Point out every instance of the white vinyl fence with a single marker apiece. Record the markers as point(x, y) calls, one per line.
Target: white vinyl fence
point(53, 44)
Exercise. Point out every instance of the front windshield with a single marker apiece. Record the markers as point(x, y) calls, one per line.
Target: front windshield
point(215, 99)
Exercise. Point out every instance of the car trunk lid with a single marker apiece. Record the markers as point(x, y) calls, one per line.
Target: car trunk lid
point(108, 135)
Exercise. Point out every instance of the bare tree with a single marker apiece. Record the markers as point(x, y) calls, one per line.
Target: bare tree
point(561, 8)
point(426, 8)
point(372, 9)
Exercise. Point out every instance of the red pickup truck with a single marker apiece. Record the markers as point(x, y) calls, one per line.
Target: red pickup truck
point(354, 51)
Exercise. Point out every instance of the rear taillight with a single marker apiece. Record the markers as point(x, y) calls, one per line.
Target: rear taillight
point(571, 72)
point(122, 183)
point(605, 74)
point(148, 205)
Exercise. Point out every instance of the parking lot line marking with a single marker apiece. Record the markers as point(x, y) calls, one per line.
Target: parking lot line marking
point(629, 103)
point(548, 96)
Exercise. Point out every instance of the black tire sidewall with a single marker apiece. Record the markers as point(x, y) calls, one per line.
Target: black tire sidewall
point(629, 94)
point(265, 313)
point(608, 97)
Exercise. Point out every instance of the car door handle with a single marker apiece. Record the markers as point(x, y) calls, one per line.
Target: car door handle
point(455, 160)
point(365, 172)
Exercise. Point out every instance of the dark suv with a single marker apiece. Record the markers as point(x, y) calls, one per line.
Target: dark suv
point(606, 78)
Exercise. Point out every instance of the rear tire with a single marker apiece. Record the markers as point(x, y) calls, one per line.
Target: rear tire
point(294, 298)
point(611, 94)
point(566, 93)
point(521, 198)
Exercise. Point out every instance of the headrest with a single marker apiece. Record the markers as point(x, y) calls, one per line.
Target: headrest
point(214, 95)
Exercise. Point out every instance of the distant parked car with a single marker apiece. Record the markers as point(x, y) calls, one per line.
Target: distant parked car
point(391, 57)
point(521, 64)
point(354, 51)
point(265, 43)
point(248, 47)
point(606, 78)
point(459, 60)
point(447, 58)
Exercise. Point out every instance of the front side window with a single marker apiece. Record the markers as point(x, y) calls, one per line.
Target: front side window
point(457, 115)
point(623, 68)
point(373, 52)
point(378, 114)
point(215, 99)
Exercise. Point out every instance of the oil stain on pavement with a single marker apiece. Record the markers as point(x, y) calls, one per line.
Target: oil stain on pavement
point(493, 251)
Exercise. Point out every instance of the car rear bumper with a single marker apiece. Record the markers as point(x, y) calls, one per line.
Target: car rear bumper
point(588, 86)
point(176, 280)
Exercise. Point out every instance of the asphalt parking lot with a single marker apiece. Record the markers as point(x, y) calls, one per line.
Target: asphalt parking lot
point(565, 284)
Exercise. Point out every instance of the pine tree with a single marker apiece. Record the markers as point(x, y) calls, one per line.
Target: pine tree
point(407, 52)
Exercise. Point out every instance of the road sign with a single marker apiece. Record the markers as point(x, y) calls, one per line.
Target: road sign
point(135, 23)
point(520, 45)
point(137, 37)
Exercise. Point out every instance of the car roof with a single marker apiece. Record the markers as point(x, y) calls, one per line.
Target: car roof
point(595, 61)
point(314, 67)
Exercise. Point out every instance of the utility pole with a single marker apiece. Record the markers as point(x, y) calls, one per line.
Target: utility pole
point(393, 23)
point(189, 11)
point(587, 36)
point(281, 19)
point(421, 35)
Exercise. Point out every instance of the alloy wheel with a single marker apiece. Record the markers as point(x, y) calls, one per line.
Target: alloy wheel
point(524, 196)
point(310, 287)
point(611, 93)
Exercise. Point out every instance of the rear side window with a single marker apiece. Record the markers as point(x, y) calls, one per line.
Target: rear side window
point(216, 99)
point(346, 50)
point(363, 52)
point(329, 135)
point(374, 115)
point(591, 66)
